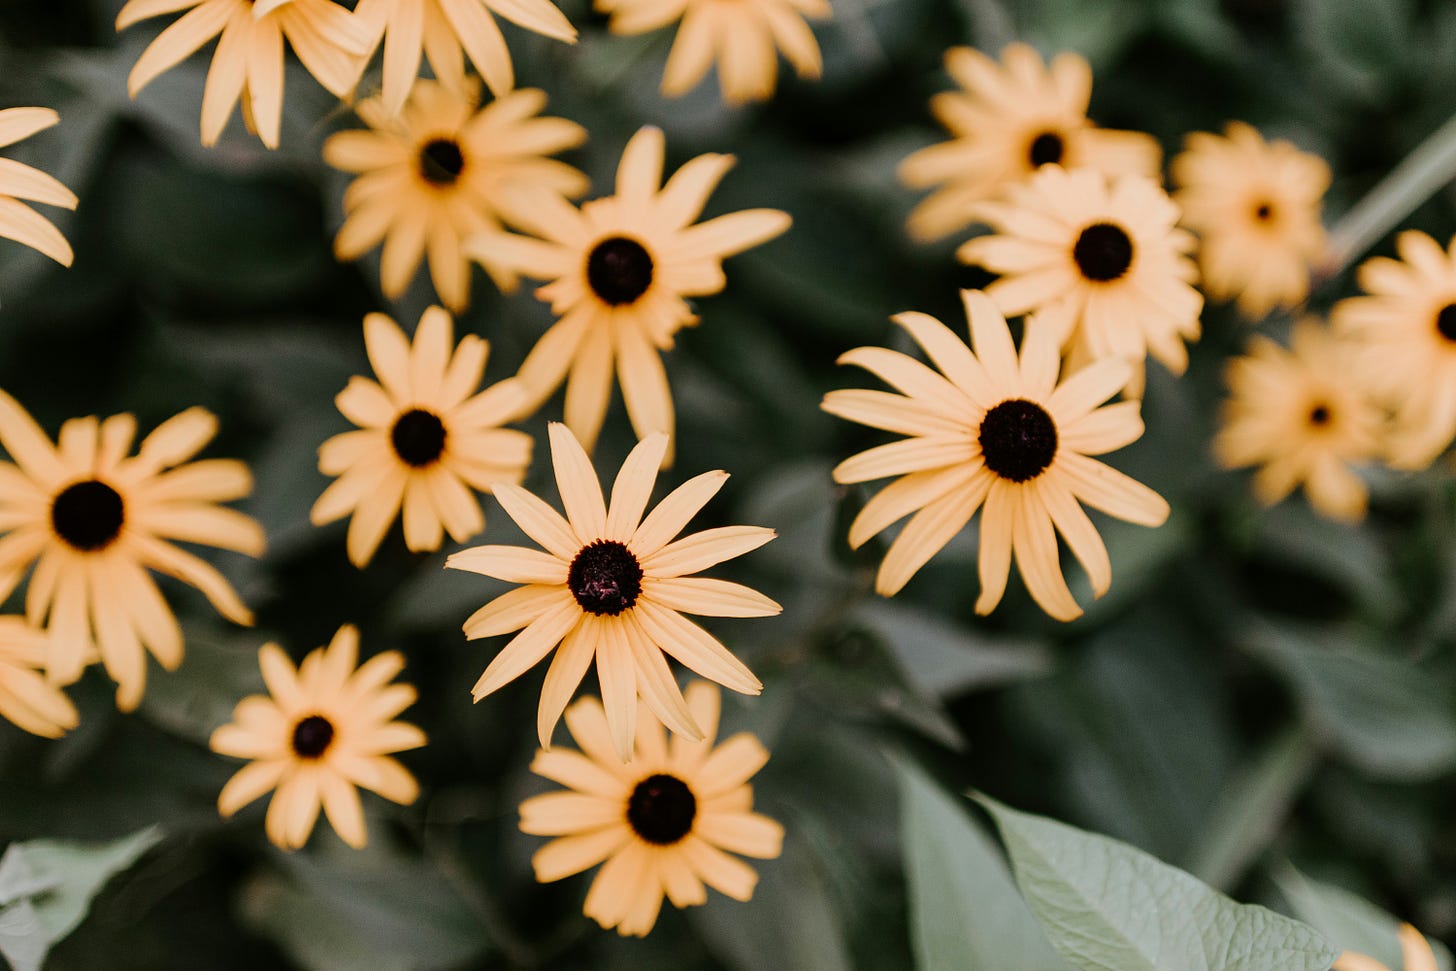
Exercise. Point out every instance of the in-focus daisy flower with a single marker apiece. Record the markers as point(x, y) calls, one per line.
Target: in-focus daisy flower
point(425, 439)
point(443, 31)
point(1256, 207)
point(1008, 120)
point(248, 63)
point(666, 823)
point(1406, 332)
point(27, 699)
point(1101, 264)
point(993, 431)
point(93, 520)
point(1415, 955)
point(324, 729)
point(619, 269)
point(742, 36)
point(19, 181)
point(440, 172)
point(613, 586)
point(1301, 417)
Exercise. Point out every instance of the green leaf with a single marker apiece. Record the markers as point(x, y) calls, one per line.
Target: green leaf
point(1385, 716)
point(1109, 907)
point(965, 911)
point(23, 939)
point(943, 659)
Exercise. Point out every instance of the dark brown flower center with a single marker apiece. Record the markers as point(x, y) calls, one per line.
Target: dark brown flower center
point(1103, 252)
point(1264, 212)
point(661, 809)
point(1446, 322)
point(1046, 149)
point(312, 737)
point(1319, 415)
point(88, 515)
point(1018, 439)
point(418, 437)
point(441, 161)
point(619, 270)
point(605, 578)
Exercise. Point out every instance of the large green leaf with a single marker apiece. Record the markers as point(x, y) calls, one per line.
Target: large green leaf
point(965, 911)
point(1110, 907)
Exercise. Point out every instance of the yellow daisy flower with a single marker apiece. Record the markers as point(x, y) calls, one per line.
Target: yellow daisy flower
point(326, 729)
point(619, 269)
point(1256, 207)
point(613, 586)
point(665, 823)
point(93, 520)
point(1100, 263)
point(993, 431)
point(248, 63)
point(440, 172)
point(1415, 955)
point(1300, 416)
point(741, 35)
point(27, 699)
point(447, 31)
point(19, 181)
point(1007, 121)
point(1406, 332)
point(425, 439)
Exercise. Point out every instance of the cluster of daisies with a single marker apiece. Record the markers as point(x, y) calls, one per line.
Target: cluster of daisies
point(1089, 249)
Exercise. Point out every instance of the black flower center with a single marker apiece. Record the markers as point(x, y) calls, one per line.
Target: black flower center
point(418, 437)
point(1046, 149)
point(441, 162)
point(88, 515)
point(619, 270)
point(605, 578)
point(1263, 212)
point(1319, 415)
point(661, 809)
point(1103, 252)
point(1018, 439)
point(1446, 322)
point(312, 737)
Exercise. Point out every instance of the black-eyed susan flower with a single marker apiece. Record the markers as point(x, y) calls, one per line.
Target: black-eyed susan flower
point(1100, 263)
point(448, 31)
point(27, 699)
point(1405, 329)
point(988, 431)
point(19, 181)
point(667, 824)
point(619, 269)
point(1008, 120)
point(1415, 955)
point(322, 731)
point(1301, 417)
point(742, 36)
point(612, 586)
point(248, 63)
point(1256, 208)
point(425, 439)
point(440, 172)
point(93, 520)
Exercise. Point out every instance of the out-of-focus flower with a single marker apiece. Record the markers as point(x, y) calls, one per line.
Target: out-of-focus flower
point(20, 181)
point(27, 699)
point(666, 824)
point(1415, 955)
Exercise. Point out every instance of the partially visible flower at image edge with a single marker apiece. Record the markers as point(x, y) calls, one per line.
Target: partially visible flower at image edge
point(425, 439)
point(324, 729)
point(20, 181)
point(1256, 208)
point(742, 36)
point(27, 698)
point(441, 171)
point(666, 823)
point(1009, 119)
point(93, 520)
point(612, 586)
point(994, 433)
point(249, 63)
point(1415, 955)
